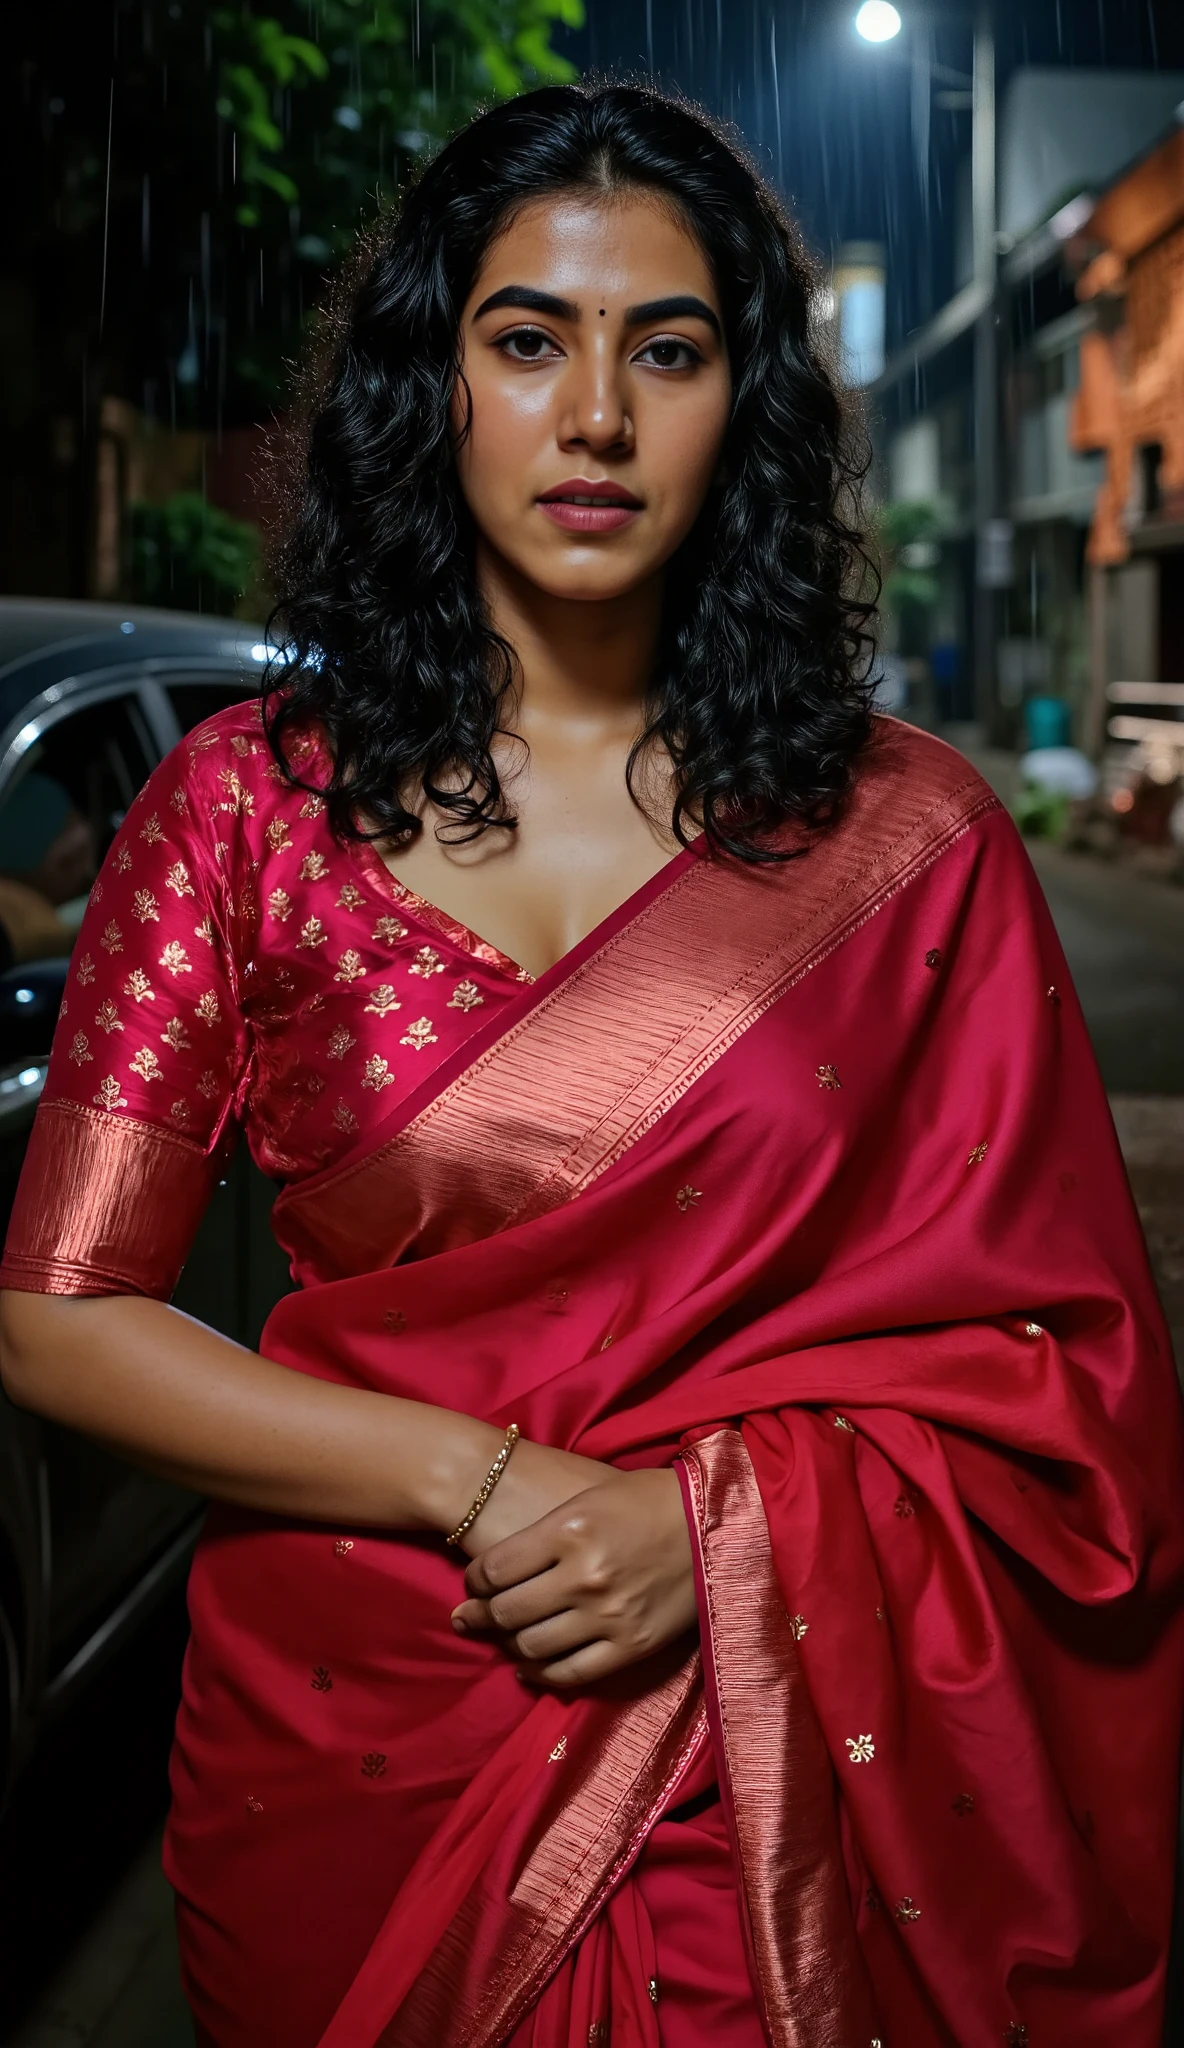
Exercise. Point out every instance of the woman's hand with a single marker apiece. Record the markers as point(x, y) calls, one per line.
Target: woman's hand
point(597, 1584)
point(536, 1479)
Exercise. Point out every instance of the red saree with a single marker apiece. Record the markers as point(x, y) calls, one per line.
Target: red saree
point(807, 1180)
point(803, 1180)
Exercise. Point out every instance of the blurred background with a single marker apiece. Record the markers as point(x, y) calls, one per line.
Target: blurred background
point(995, 195)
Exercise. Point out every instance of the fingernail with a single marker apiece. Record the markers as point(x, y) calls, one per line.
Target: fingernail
point(460, 1625)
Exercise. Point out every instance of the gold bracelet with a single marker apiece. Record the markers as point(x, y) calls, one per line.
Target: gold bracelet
point(490, 1481)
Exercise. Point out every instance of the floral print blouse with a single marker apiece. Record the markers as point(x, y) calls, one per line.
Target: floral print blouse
point(238, 966)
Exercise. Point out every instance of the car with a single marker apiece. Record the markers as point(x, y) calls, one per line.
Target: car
point(91, 698)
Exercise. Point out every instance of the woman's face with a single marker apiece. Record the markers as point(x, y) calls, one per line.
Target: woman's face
point(592, 346)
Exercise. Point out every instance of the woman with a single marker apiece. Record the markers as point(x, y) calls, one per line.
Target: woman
point(752, 1163)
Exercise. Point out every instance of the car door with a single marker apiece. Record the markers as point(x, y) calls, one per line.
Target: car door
point(60, 809)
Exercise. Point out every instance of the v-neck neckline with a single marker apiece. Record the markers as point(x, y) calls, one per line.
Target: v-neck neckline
point(370, 861)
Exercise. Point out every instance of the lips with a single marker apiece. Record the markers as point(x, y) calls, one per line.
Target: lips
point(589, 505)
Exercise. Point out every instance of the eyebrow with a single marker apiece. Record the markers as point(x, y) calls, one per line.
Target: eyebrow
point(682, 306)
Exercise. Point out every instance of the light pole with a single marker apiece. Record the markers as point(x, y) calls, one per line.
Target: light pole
point(878, 22)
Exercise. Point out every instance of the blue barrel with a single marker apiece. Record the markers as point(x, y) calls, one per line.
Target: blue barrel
point(1046, 722)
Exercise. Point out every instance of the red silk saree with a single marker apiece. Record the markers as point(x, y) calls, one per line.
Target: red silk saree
point(802, 1180)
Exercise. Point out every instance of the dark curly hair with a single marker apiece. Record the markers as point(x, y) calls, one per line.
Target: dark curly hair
point(760, 689)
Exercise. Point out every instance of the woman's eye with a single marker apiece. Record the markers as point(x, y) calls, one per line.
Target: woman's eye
point(668, 353)
point(527, 345)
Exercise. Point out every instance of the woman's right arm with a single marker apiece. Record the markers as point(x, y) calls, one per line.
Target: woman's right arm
point(174, 1396)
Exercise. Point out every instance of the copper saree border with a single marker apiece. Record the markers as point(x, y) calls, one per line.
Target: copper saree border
point(137, 1197)
point(607, 1794)
point(775, 1775)
point(560, 1095)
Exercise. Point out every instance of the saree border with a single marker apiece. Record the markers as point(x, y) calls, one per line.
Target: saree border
point(775, 1775)
point(570, 1085)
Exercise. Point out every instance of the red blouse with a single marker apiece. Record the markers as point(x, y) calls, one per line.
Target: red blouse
point(237, 965)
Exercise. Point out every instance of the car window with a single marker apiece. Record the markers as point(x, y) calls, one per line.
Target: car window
point(194, 702)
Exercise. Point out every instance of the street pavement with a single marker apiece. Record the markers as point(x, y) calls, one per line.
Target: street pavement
point(87, 1915)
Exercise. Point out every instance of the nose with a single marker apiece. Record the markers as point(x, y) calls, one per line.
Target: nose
point(595, 411)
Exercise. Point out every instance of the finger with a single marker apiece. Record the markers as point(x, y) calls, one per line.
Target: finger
point(549, 1640)
point(552, 1592)
point(521, 1556)
point(584, 1666)
point(471, 1617)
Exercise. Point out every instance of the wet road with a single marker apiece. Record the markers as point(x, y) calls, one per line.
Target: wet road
point(88, 1958)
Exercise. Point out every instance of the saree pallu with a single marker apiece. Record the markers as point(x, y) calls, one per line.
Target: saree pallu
point(800, 1180)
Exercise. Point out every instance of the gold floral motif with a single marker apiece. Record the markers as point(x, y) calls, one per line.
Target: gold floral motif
point(798, 1626)
point(559, 1751)
point(177, 879)
point(963, 1804)
point(688, 1197)
point(146, 1065)
point(96, 894)
point(62, 1007)
point(419, 1034)
point(978, 1155)
point(1016, 2035)
point(903, 1507)
point(827, 1077)
point(279, 905)
point(314, 867)
point(175, 958)
point(123, 860)
point(880, 1614)
point(144, 906)
point(238, 797)
point(205, 930)
point(652, 1988)
point(465, 996)
point(152, 830)
point(382, 1000)
point(209, 1085)
point(109, 1095)
point(860, 1749)
point(340, 1043)
point(1033, 1330)
point(841, 1422)
point(277, 836)
point(320, 1680)
point(312, 806)
point(395, 1321)
point(85, 971)
point(374, 1764)
point(107, 1017)
point(597, 2033)
point(933, 957)
point(523, 974)
point(180, 1112)
point(254, 1805)
point(314, 1005)
point(378, 1074)
point(80, 1051)
point(312, 933)
point(906, 1911)
point(112, 939)
point(349, 966)
point(388, 929)
point(174, 1037)
point(343, 1546)
point(344, 1119)
point(202, 740)
point(1052, 995)
point(426, 962)
point(207, 1008)
point(609, 1341)
point(240, 744)
point(351, 897)
point(139, 986)
point(179, 800)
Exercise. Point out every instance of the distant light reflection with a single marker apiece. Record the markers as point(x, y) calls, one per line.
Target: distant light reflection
point(877, 21)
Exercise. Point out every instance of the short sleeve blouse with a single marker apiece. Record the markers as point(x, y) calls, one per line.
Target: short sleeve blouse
point(237, 966)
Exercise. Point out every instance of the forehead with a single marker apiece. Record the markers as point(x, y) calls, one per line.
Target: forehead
point(626, 246)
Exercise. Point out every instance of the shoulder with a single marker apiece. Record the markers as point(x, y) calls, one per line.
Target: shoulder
point(900, 756)
point(224, 780)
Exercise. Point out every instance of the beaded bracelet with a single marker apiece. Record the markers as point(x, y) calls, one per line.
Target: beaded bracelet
point(490, 1481)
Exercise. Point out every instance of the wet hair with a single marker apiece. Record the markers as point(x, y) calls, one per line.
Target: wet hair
point(760, 686)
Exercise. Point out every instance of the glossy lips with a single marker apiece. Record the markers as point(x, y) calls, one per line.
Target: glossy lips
point(583, 506)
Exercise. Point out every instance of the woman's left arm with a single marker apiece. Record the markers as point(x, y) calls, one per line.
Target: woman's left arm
point(598, 1584)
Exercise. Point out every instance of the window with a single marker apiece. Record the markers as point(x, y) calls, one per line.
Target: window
point(66, 801)
point(196, 701)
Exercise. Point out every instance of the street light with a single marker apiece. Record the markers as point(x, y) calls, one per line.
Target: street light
point(877, 21)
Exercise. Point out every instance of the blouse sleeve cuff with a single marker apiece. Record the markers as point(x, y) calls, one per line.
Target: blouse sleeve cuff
point(106, 1205)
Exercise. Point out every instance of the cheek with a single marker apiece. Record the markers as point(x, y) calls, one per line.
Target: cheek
point(504, 432)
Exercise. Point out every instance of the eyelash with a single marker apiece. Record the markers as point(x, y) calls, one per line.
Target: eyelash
point(503, 344)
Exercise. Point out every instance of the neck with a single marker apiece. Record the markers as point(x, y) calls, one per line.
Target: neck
point(585, 661)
